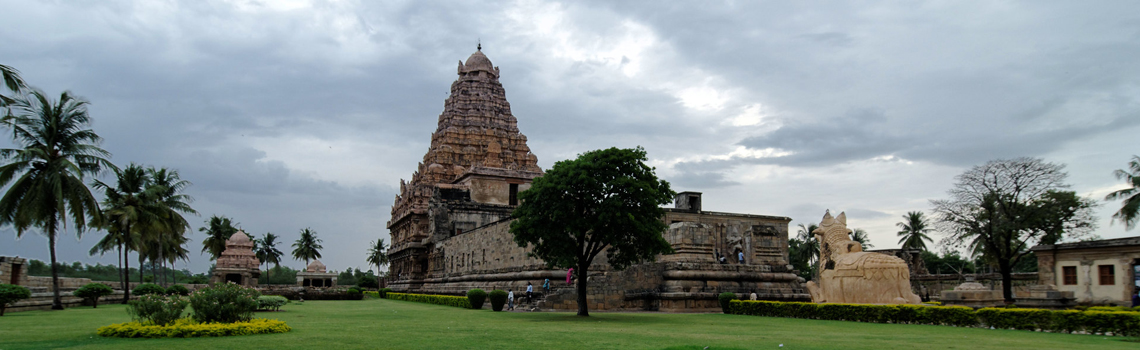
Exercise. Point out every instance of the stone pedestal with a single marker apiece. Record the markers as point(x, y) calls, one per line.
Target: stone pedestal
point(972, 294)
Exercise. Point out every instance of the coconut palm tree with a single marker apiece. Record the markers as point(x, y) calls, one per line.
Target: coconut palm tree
point(1129, 213)
point(809, 249)
point(308, 247)
point(267, 252)
point(130, 208)
point(175, 203)
point(860, 235)
point(377, 256)
point(218, 229)
point(915, 231)
point(45, 176)
point(114, 240)
point(12, 81)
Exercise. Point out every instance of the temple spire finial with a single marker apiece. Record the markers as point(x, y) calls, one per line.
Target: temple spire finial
point(479, 45)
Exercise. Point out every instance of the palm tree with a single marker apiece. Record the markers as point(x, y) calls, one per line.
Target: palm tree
point(12, 81)
point(1129, 213)
point(267, 252)
point(130, 208)
point(175, 203)
point(860, 235)
point(112, 241)
point(809, 249)
point(45, 177)
point(308, 247)
point(218, 229)
point(378, 257)
point(914, 231)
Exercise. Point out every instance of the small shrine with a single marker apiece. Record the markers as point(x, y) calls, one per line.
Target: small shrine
point(315, 276)
point(238, 263)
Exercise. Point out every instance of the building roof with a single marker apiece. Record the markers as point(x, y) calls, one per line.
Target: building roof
point(1103, 243)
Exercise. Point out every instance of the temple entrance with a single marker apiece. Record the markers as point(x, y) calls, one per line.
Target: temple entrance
point(16, 268)
point(233, 277)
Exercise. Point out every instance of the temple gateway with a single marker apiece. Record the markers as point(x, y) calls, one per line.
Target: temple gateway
point(450, 224)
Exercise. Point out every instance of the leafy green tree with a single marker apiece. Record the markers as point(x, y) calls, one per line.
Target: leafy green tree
point(308, 247)
point(606, 200)
point(378, 256)
point(45, 176)
point(10, 294)
point(218, 229)
point(860, 235)
point(1129, 213)
point(1004, 207)
point(92, 292)
point(267, 252)
point(915, 231)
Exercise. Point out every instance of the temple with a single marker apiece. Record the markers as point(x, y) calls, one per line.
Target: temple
point(238, 263)
point(450, 224)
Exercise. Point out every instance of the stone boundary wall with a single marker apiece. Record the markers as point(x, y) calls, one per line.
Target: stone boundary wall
point(931, 285)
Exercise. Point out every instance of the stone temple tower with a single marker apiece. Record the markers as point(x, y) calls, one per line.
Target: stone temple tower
point(477, 139)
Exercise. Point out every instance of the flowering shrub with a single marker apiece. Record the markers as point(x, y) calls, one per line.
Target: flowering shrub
point(224, 303)
point(92, 292)
point(157, 309)
point(186, 328)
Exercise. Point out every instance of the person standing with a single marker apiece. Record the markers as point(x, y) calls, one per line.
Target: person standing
point(740, 256)
point(511, 300)
point(546, 286)
point(569, 275)
point(529, 293)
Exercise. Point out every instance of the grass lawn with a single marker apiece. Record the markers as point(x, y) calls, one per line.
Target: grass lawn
point(336, 325)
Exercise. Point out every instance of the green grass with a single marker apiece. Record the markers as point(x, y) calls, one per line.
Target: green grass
point(336, 325)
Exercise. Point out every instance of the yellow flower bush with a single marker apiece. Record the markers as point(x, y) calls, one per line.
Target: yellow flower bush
point(187, 328)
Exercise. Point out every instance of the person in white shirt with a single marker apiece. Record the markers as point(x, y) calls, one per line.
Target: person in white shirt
point(740, 255)
point(529, 292)
point(511, 300)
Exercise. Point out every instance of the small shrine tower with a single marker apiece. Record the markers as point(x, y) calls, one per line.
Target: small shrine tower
point(238, 263)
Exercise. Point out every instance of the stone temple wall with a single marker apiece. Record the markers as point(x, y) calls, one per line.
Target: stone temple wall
point(488, 258)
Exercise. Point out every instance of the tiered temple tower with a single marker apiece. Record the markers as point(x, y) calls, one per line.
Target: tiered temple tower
point(476, 134)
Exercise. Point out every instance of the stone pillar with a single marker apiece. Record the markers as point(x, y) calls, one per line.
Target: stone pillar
point(1046, 267)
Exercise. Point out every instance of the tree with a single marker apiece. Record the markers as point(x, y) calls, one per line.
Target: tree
point(10, 294)
point(915, 230)
point(803, 251)
point(174, 203)
point(605, 200)
point(860, 235)
point(218, 229)
point(130, 207)
point(45, 177)
point(267, 252)
point(377, 256)
point(1004, 207)
point(12, 81)
point(92, 292)
point(1129, 213)
point(308, 247)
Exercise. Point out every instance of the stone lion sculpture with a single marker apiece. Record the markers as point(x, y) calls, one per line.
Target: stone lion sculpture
point(847, 274)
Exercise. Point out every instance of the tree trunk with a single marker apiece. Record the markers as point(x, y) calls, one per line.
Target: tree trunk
point(1006, 280)
point(122, 273)
point(127, 276)
point(56, 302)
point(583, 307)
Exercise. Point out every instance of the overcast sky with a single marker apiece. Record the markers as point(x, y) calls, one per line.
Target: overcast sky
point(294, 114)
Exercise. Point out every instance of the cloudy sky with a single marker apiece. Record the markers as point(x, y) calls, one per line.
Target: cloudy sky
point(294, 114)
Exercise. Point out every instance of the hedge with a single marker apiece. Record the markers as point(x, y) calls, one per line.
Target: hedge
point(1067, 321)
point(445, 300)
point(187, 328)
